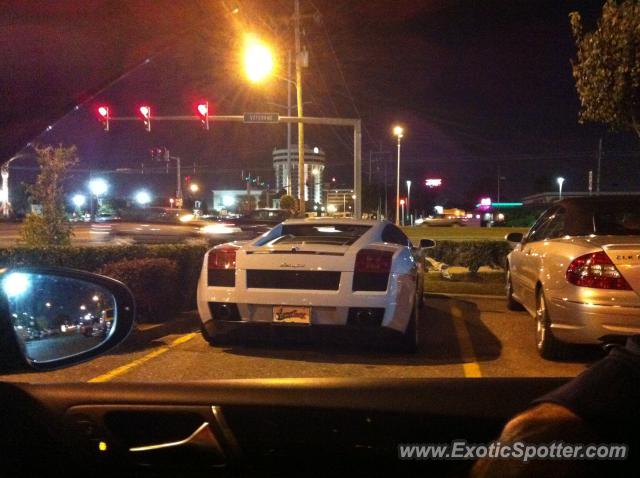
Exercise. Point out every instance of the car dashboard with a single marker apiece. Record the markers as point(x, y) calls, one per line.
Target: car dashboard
point(243, 427)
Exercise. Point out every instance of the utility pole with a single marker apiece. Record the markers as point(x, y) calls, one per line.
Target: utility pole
point(289, 80)
point(179, 198)
point(599, 164)
point(301, 178)
point(499, 180)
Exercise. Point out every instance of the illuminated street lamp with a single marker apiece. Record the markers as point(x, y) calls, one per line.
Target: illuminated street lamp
point(560, 181)
point(79, 200)
point(194, 188)
point(143, 198)
point(398, 131)
point(258, 59)
point(98, 186)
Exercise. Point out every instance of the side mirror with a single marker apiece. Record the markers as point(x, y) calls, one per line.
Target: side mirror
point(56, 317)
point(514, 237)
point(427, 243)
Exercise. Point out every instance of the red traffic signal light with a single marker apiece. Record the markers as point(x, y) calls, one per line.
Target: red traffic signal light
point(145, 114)
point(104, 113)
point(203, 113)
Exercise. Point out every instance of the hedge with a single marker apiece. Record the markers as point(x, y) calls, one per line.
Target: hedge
point(187, 258)
point(153, 282)
point(471, 254)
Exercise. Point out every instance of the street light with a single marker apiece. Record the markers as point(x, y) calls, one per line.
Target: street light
point(79, 200)
point(98, 186)
point(143, 198)
point(258, 59)
point(402, 204)
point(560, 181)
point(408, 203)
point(399, 133)
point(194, 188)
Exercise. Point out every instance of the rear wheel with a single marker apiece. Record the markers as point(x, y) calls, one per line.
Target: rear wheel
point(512, 304)
point(548, 346)
point(210, 339)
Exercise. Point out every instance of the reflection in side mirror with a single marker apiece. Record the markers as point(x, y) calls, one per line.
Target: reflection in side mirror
point(514, 237)
point(427, 243)
point(63, 316)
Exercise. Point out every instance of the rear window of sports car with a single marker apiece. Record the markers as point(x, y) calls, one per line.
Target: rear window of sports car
point(340, 234)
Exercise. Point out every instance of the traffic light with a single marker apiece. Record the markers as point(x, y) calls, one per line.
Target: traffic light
point(203, 113)
point(103, 113)
point(145, 114)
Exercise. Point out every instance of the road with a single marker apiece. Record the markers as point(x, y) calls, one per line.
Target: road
point(460, 337)
point(10, 234)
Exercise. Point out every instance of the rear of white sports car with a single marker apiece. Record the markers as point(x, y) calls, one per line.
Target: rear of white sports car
point(308, 280)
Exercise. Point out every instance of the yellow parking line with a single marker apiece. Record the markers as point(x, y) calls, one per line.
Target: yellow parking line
point(136, 363)
point(470, 367)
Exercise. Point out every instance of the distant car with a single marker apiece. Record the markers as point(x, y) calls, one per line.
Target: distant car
point(445, 221)
point(577, 271)
point(166, 225)
point(324, 275)
point(106, 217)
point(259, 221)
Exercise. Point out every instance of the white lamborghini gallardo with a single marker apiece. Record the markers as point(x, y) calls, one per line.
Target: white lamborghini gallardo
point(314, 278)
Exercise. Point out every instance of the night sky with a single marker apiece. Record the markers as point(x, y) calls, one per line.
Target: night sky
point(482, 87)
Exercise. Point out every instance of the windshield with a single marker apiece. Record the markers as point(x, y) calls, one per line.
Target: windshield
point(394, 157)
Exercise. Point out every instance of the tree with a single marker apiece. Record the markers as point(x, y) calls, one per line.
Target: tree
point(246, 203)
point(607, 66)
point(287, 202)
point(51, 226)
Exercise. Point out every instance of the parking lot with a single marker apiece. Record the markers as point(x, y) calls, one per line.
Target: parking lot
point(459, 337)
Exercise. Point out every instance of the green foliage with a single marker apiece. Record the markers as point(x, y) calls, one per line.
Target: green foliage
point(607, 66)
point(471, 254)
point(287, 202)
point(188, 260)
point(154, 284)
point(51, 227)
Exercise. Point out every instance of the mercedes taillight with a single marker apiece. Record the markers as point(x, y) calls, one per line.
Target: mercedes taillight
point(597, 271)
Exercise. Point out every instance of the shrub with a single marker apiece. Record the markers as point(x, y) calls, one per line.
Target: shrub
point(154, 283)
point(187, 258)
point(471, 254)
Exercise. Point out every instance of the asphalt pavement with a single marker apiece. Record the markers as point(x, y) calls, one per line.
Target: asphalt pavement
point(82, 235)
point(459, 337)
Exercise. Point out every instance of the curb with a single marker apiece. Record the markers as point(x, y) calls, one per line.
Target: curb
point(178, 325)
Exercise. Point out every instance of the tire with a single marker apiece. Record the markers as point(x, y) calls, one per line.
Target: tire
point(512, 304)
point(211, 340)
point(547, 345)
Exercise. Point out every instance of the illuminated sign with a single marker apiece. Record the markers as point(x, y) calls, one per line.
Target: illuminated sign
point(485, 202)
point(433, 182)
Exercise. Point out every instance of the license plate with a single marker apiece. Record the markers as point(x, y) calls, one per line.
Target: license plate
point(283, 314)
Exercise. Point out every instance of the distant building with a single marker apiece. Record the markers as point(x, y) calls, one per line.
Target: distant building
point(314, 161)
point(229, 199)
point(340, 201)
